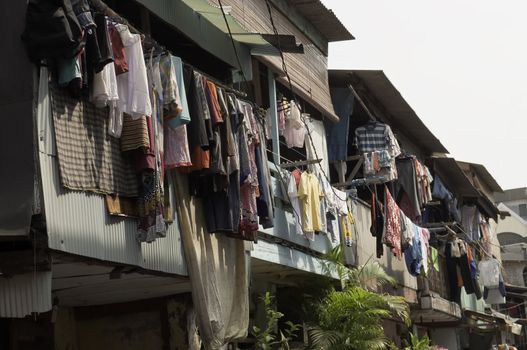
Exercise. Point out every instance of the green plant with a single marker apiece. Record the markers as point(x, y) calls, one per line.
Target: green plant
point(418, 344)
point(351, 318)
point(266, 338)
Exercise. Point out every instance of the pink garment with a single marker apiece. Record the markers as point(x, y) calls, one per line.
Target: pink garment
point(392, 235)
point(294, 137)
point(281, 121)
point(176, 147)
point(249, 189)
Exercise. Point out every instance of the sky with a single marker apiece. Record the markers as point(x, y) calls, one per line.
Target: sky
point(461, 65)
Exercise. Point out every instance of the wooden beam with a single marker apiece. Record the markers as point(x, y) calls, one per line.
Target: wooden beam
point(350, 158)
point(300, 163)
point(274, 116)
point(356, 168)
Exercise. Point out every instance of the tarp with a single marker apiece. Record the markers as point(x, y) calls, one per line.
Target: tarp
point(218, 271)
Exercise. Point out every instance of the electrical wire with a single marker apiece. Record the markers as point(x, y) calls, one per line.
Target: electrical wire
point(284, 68)
point(233, 45)
point(262, 123)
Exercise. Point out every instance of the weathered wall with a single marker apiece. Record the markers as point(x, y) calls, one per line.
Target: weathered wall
point(366, 252)
point(133, 331)
point(513, 272)
point(445, 337)
point(128, 326)
point(512, 224)
point(65, 329)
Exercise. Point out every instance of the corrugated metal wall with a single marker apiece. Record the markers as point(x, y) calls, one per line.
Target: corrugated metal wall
point(77, 222)
point(21, 295)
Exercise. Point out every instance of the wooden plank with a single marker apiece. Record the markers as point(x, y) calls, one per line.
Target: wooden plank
point(300, 163)
point(356, 168)
point(347, 159)
point(308, 71)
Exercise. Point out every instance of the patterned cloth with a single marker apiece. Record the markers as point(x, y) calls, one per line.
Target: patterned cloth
point(392, 235)
point(89, 158)
point(134, 134)
point(249, 188)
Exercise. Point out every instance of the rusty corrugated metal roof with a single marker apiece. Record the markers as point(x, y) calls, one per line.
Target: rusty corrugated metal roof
point(404, 118)
point(323, 19)
point(457, 182)
point(484, 175)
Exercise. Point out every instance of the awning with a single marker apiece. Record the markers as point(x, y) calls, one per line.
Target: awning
point(214, 15)
point(374, 84)
point(205, 25)
point(458, 183)
point(495, 320)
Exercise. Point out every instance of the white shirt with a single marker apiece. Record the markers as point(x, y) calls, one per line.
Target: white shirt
point(489, 272)
point(295, 203)
point(134, 97)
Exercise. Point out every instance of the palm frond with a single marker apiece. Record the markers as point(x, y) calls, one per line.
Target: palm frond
point(371, 276)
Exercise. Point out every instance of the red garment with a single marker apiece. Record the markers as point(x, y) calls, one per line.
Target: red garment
point(297, 174)
point(214, 104)
point(119, 56)
point(392, 235)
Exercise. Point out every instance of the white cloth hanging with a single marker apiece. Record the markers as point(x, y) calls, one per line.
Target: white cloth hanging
point(134, 97)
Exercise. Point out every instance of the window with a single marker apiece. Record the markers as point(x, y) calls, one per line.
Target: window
point(525, 276)
point(522, 210)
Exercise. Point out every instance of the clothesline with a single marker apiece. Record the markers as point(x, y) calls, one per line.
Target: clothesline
point(106, 10)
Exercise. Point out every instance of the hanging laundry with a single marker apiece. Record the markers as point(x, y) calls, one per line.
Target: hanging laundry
point(172, 104)
point(119, 54)
point(440, 191)
point(177, 152)
point(413, 255)
point(347, 228)
point(377, 224)
point(407, 187)
point(198, 139)
point(470, 219)
point(392, 235)
point(379, 147)
point(134, 97)
point(89, 160)
point(151, 223)
point(134, 134)
point(489, 272)
point(70, 74)
point(379, 164)
point(310, 194)
point(295, 203)
point(104, 91)
point(249, 179)
point(424, 237)
point(295, 130)
point(376, 136)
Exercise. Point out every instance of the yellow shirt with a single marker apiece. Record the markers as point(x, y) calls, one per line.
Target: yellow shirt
point(309, 194)
point(346, 223)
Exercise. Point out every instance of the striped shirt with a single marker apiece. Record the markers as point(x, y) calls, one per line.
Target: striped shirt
point(376, 137)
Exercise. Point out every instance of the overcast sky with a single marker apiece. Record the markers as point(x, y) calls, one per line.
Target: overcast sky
point(461, 65)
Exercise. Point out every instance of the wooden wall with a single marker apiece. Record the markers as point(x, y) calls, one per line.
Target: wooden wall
point(308, 71)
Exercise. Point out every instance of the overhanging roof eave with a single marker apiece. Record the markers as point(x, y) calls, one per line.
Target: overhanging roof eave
point(404, 117)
